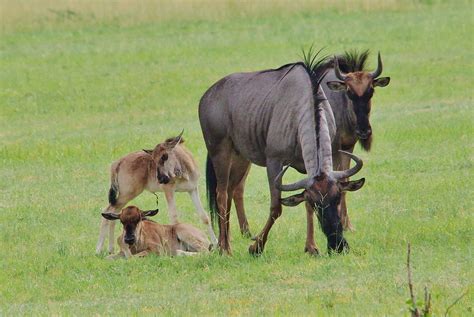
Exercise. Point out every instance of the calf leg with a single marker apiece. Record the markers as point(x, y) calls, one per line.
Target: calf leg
point(273, 168)
point(116, 256)
point(107, 225)
point(185, 253)
point(172, 210)
point(124, 197)
point(204, 217)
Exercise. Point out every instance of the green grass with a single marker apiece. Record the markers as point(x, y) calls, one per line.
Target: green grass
point(75, 95)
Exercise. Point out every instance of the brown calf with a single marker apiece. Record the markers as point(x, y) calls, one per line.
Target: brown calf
point(168, 168)
point(142, 236)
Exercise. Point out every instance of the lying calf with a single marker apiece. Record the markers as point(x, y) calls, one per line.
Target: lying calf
point(141, 235)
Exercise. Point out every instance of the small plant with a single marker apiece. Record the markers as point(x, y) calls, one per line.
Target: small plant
point(412, 303)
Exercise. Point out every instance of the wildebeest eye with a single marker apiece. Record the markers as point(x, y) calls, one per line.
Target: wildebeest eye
point(163, 158)
point(350, 94)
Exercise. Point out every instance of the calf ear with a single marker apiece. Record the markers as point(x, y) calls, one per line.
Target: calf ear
point(150, 213)
point(175, 141)
point(292, 201)
point(336, 85)
point(352, 186)
point(110, 216)
point(381, 82)
point(148, 151)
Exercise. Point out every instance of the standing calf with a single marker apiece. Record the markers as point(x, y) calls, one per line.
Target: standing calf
point(142, 236)
point(168, 168)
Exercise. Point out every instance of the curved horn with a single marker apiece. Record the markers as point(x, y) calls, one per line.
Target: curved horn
point(337, 71)
point(351, 171)
point(378, 71)
point(171, 144)
point(302, 184)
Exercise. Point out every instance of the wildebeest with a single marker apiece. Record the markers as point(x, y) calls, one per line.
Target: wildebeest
point(273, 118)
point(139, 171)
point(349, 88)
point(142, 236)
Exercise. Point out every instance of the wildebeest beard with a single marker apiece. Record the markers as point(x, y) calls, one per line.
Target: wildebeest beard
point(366, 143)
point(332, 228)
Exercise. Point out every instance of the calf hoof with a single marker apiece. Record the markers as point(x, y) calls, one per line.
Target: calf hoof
point(256, 249)
point(313, 251)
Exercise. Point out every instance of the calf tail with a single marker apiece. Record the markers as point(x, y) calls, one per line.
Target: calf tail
point(114, 187)
point(211, 189)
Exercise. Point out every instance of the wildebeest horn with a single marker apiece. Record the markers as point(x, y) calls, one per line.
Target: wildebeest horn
point(378, 71)
point(302, 184)
point(351, 171)
point(337, 71)
point(171, 144)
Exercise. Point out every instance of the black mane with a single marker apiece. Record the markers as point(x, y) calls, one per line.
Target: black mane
point(350, 61)
point(314, 65)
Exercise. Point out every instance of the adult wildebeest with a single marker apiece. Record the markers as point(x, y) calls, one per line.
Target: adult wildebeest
point(272, 118)
point(142, 236)
point(349, 88)
point(168, 168)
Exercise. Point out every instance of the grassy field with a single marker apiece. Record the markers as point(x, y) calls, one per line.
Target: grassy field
point(83, 83)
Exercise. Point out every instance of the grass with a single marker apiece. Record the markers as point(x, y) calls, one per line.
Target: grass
point(76, 94)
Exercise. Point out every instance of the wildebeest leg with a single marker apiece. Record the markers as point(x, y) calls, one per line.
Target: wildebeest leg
point(110, 225)
point(116, 256)
point(172, 211)
point(310, 247)
point(141, 254)
point(273, 168)
point(204, 217)
point(345, 163)
point(238, 173)
point(222, 162)
point(185, 253)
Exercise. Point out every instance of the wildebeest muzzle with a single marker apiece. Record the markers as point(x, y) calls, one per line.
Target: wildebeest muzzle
point(162, 178)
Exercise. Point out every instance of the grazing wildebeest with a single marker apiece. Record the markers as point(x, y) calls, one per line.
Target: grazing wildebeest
point(142, 236)
point(349, 91)
point(272, 118)
point(139, 171)
point(349, 88)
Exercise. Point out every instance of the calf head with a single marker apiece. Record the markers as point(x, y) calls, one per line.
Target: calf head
point(130, 217)
point(359, 88)
point(164, 156)
point(323, 194)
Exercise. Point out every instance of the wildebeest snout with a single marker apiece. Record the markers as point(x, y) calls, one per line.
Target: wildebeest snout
point(162, 178)
point(361, 134)
point(129, 240)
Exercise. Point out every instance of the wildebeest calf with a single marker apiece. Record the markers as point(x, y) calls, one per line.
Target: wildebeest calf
point(168, 168)
point(142, 236)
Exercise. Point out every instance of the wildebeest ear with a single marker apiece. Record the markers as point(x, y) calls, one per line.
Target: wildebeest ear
point(170, 144)
point(148, 151)
point(336, 85)
point(292, 201)
point(150, 213)
point(110, 216)
point(381, 82)
point(352, 186)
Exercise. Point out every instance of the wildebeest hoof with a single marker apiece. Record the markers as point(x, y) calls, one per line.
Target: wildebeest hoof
point(312, 251)
point(255, 249)
point(247, 234)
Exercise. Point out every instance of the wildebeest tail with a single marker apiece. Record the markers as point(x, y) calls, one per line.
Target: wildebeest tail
point(211, 187)
point(114, 187)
